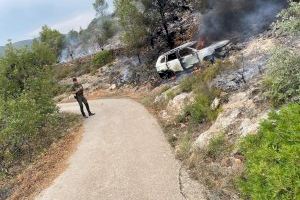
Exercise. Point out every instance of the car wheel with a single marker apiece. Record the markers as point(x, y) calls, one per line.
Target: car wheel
point(163, 75)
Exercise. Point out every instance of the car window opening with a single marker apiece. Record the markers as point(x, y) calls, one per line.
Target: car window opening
point(172, 57)
point(185, 52)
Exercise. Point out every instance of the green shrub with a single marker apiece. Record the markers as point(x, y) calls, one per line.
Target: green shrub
point(200, 109)
point(102, 58)
point(289, 19)
point(272, 167)
point(26, 98)
point(282, 79)
point(217, 146)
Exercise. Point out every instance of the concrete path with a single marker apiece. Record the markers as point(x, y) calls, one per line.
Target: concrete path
point(123, 155)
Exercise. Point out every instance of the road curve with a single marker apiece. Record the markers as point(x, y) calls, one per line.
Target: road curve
point(123, 155)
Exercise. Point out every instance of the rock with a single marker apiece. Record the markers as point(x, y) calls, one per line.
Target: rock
point(167, 94)
point(161, 98)
point(164, 115)
point(215, 104)
point(176, 106)
point(112, 87)
point(247, 127)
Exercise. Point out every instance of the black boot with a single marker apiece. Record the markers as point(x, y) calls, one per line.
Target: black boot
point(91, 114)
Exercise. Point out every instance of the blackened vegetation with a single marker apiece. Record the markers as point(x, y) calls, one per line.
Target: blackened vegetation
point(237, 19)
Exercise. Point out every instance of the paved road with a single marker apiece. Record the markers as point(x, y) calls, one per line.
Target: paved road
point(123, 155)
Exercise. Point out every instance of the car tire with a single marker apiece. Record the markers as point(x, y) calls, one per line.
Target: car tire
point(166, 74)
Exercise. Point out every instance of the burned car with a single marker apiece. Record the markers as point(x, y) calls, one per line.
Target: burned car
point(186, 57)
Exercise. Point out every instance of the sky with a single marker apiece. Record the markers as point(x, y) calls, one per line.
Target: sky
point(23, 19)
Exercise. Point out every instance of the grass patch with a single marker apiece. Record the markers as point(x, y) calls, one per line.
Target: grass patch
point(184, 145)
point(272, 168)
point(217, 146)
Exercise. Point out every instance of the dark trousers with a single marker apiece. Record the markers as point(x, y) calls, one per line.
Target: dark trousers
point(82, 100)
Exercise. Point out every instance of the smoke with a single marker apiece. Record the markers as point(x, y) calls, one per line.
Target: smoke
point(238, 18)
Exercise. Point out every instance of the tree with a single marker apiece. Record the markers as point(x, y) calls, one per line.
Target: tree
point(53, 39)
point(26, 96)
point(100, 6)
point(160, 13)
point(132, 22)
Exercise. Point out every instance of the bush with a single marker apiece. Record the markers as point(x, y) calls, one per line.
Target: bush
point(102, 58)
point(282, 79)
point(289, 19)
point(200, 109)
point(26, 97)
point(272, 168)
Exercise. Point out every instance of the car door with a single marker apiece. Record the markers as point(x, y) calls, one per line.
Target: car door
point(161, 64)
point(188, 58)
point(173, 62)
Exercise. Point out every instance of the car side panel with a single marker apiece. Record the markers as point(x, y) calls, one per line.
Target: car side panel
point(189, 61)
point(174, 65)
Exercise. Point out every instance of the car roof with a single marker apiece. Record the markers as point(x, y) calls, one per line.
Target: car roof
point(189, 44)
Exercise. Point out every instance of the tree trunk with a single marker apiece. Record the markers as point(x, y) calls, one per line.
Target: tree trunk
point(139, 57)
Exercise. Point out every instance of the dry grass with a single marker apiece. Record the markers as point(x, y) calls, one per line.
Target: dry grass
point(43, 168)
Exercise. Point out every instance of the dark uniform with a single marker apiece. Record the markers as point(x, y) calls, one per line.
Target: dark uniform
point(81, 99)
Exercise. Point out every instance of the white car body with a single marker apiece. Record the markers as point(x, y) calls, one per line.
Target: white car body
point(185, 57)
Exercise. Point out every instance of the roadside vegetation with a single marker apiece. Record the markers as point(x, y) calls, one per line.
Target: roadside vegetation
point(29, 119)
point(282, 80)
point(272, 169)
point(265, 165)
point(200, 110)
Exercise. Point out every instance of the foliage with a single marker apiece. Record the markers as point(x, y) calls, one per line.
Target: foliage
point(282, 80)
point(132, 22)
point(160, 14)
point(43, 56)
point(53, 38)
point(102, 58)
point(200, 109)
point(108, 29)
point(272, 168)
point(289, 19)
point(217, 146)
point(184, 146)
point(26, 100)
point(17, 160)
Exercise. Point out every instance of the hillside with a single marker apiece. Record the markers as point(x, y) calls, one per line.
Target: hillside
point(20, 44)
point(229, 110)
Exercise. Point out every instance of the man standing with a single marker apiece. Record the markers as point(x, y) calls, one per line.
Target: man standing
point(78, 91)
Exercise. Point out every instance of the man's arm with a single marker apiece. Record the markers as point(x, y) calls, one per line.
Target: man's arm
point(80, 88)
